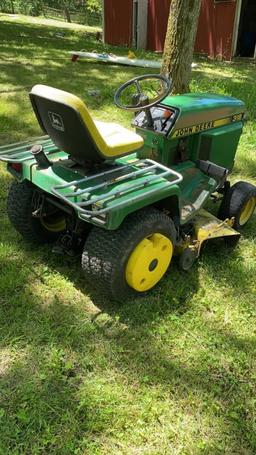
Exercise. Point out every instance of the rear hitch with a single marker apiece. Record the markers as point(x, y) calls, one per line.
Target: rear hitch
point(69, 244)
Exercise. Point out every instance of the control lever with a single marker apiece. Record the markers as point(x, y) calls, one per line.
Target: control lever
point(165, 118)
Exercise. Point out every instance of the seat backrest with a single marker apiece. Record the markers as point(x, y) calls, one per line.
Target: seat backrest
point(65, 118)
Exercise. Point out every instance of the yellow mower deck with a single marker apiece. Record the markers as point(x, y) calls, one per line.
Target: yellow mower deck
point(208, 226)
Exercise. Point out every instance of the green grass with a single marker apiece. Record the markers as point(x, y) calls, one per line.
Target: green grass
point(173, 373)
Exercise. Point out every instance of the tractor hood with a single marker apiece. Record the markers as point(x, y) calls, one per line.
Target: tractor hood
point(199, 112)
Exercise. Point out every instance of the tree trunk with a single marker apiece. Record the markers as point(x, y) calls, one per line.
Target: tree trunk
point(67, 14)
point(12, 7)
point(179, 43)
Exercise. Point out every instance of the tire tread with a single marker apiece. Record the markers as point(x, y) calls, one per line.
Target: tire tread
point(106, 252)
point(234, 201)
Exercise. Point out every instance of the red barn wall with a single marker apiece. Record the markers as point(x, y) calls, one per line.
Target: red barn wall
point(158, 12)
point(215, 29)
point(206, 32)
point(118, 17)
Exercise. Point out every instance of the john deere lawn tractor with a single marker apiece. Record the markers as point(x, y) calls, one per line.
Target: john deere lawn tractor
point(128, 201)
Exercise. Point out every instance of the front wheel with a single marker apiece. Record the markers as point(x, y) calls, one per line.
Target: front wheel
point(21, 208)
point(239, 203)
point(133, 259)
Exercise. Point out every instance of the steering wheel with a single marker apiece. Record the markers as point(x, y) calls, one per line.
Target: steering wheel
point(140, 100)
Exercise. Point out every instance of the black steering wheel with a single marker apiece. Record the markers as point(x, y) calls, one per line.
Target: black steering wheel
point(139, 99)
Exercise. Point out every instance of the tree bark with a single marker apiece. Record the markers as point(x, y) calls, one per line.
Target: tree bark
point(179, 43)
point(67, 14)
point(12, 7)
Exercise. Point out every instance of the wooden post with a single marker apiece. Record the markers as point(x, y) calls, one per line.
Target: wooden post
point(12, 7)
point(103, 21)
point(67, 14)
point(142, 24)
point(134, 23)
point(236, 27)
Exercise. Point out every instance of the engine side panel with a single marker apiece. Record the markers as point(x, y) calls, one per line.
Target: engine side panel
point(219, 145)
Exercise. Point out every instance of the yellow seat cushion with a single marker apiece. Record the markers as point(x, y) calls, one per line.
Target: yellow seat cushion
point(111, 139)
point(118, 140)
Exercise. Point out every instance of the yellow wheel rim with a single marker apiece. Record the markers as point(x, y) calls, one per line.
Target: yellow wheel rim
point(247, 211)
point(54, 224)
point(149, 262)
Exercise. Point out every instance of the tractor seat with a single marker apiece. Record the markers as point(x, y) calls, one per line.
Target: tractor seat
point(66, 119)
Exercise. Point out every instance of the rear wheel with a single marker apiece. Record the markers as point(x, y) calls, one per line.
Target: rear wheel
point(21, 208)
point(133, 259)
point(239, 203)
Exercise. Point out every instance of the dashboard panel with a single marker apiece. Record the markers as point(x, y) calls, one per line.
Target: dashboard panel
point(162, 120)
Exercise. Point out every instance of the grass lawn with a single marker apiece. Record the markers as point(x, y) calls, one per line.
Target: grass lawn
point(173, 373)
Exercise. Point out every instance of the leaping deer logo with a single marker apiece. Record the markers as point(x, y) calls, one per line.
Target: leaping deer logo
point(56, 121)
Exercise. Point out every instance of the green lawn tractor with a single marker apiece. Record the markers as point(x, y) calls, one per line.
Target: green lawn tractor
point(128, 201)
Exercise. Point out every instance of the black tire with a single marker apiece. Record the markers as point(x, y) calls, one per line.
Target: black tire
point(106, 253)
point(19, 209)
point(235, 201)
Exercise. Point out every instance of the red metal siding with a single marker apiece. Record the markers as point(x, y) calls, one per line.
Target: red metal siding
point(215, 29)
point(225, 19)
point(158, 12)
point(205, 40)
point(118, 16)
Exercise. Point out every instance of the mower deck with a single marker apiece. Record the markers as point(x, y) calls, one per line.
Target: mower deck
point(208, 227)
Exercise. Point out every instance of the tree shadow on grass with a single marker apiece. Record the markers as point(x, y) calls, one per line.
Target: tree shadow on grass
point(50, 395)
point(230, 263)
point(51, 391)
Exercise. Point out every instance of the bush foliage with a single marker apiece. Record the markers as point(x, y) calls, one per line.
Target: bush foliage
point(36, 7)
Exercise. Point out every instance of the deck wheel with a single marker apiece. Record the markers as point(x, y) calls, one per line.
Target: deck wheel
point(187, 259)
point(247, 211)
point(239, 203)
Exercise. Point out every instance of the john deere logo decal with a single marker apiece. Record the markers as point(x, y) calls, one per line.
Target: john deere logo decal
point(56, 121)
point(207, 125)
